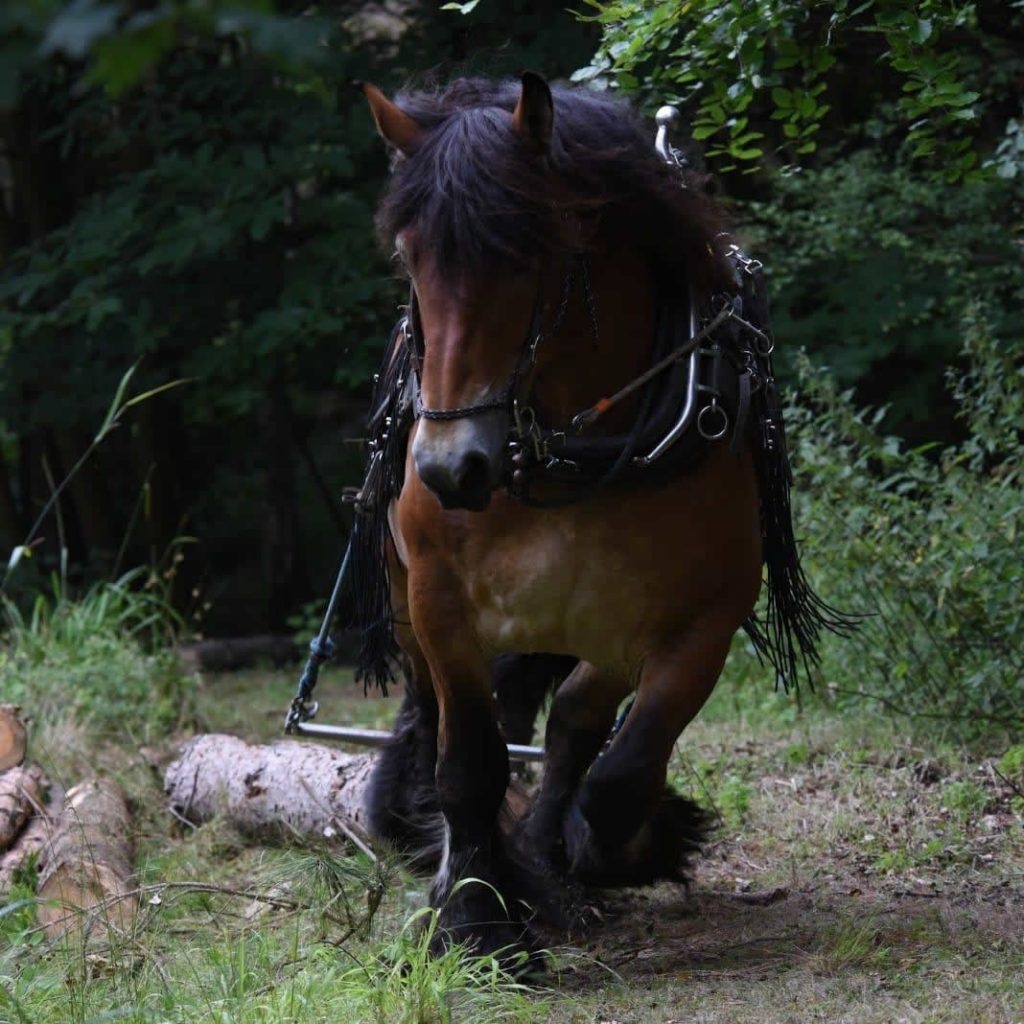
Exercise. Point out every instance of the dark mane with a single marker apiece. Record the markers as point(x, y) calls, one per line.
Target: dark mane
point(480, 198)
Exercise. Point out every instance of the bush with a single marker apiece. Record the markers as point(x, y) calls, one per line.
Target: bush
point(103, 661)
point(924, 542)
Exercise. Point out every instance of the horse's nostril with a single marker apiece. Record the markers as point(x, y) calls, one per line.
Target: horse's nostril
point(474, 474)
point(463, 484)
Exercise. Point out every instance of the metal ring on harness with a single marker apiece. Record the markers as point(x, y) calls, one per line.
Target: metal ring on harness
point(708, 432)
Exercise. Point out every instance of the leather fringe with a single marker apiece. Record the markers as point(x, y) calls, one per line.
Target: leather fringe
point(370, 606)
point(789, 637)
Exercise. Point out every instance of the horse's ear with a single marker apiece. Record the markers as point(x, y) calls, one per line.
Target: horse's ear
point(535, 112)
point(396, 127)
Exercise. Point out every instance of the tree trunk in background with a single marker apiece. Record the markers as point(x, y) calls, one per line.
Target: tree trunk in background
point(284, 566)
point(60, 527)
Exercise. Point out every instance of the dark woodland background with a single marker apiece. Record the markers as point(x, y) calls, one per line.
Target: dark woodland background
point(190, 188)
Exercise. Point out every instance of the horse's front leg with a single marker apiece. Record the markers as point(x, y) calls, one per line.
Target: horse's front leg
point(474, 889)
point(624, 826)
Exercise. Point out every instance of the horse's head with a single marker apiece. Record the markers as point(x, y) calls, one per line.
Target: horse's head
point(471, 238)
point(518, 217)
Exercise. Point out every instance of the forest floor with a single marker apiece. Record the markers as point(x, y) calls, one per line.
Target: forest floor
point(858, 874)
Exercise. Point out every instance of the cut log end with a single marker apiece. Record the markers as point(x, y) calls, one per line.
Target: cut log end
point(88, 899)
point(13, 737)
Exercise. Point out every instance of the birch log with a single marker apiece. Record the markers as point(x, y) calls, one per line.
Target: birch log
point(32, 841)
point(21, 793)
point(287, 786)
point(12, 737)
point(86, 885)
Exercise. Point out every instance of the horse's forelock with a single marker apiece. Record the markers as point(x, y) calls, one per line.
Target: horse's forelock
point(480, 198)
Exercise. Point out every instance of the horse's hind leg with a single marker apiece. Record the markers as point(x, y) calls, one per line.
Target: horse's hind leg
point(581, 717)
point(521, 683)
point(402, 800)
point(624, 826)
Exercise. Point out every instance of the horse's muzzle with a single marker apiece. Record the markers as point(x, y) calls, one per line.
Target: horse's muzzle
point(466, 485)
point(461, 463)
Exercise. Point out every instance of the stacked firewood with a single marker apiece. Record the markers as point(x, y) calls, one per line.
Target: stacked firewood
point(80, 841)
point(25, 814)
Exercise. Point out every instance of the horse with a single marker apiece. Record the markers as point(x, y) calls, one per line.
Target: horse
point(578, 480)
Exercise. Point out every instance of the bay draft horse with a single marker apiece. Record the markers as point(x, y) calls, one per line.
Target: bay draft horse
point(543, 239)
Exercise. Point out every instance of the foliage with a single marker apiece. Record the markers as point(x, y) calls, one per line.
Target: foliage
point(406, 984)
point(871, 266)
point(924, 542)
point(217, 258)
point(255, 966)
point(191, 190)
point(780, 78)
point(103, 660)
point(119, 46)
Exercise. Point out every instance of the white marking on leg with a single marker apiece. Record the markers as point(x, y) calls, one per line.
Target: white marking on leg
point(444, 882)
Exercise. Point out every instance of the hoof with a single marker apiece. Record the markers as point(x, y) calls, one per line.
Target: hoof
point(475, 919)
point(662, 847)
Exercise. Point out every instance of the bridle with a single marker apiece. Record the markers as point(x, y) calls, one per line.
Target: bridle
point(512, 398)
point(533, 448)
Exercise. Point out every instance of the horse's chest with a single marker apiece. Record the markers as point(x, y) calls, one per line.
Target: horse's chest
point(548, 589)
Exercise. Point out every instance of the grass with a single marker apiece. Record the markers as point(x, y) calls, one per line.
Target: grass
point(858, 874)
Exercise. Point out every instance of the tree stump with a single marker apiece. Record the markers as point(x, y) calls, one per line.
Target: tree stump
point(86, 882)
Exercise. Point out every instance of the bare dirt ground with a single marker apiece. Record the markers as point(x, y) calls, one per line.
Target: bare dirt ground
point(856, 877)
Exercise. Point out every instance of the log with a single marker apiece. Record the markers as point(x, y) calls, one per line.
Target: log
point(85, 886)
point(32, 841)
point(270, 790)
point(21, 793)
point(227, 654)
point(286, 788)
point(13, 741)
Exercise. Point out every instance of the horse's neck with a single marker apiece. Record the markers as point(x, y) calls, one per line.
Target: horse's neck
point(579, 368)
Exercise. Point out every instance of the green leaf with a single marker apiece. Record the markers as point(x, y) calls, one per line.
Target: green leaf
point(144, 396)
